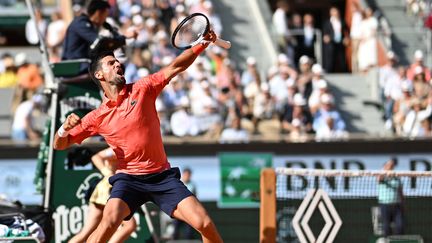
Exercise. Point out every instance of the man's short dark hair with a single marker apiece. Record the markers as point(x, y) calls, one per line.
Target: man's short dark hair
point(95, 64)
point(96, 5)
point(395, 160)
point(187, 170)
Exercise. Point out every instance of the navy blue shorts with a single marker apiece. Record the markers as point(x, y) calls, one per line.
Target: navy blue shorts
point(165, 189)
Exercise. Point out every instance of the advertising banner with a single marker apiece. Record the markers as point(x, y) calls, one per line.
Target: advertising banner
point(240, 173)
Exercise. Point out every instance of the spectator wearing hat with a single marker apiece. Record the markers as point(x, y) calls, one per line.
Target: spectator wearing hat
point(285, 63)
point(183, 123)
point(328, 122)
point(278, 87)
point(298, 133)
point(264, 106)
point(205, 108)
point(298, 112)
point(252, 88)
point(420, 85)
point(317, 75)
point(314, 100)
point(412, 125)
point(304, 80)
point(402, 106)
point(388, 72)
point(249, 75)
point(392, 92)
point(146, 30)
point(418, 62)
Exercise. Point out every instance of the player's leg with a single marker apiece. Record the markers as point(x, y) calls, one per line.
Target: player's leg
point(398, 219)
point(94, 217)
point(114, 213)
point(124, 231)
point(192, 212)
point(385, 217)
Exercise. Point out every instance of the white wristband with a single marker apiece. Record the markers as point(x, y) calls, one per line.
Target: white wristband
point(62, 132)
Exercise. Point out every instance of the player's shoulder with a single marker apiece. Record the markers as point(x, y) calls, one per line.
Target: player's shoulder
point(148, 79)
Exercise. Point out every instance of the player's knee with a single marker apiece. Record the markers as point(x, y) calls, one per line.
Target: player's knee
point(112, 218)
point(130, 226)
point(202, 223)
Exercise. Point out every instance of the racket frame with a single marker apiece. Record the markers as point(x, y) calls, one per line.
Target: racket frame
point(177, 29)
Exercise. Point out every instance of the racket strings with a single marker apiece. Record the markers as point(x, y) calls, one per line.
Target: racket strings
point(191, 32)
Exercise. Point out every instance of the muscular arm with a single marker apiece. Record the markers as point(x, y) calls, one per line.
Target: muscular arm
point(186, 58)
point(61, 143)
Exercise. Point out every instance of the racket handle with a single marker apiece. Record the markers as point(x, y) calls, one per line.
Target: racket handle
point(223, 43)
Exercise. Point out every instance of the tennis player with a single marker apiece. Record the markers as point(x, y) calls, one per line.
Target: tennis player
point(128, 121)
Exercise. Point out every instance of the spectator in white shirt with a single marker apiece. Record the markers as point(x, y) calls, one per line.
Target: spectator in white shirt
point(31, 32)
point(412, 124)
point(235, 133)
point(22, 126)
point(280, 22)
point(328, 122)
point(182, 122)
point(264, 106)
point(315, 98)
point(55, 35)
point(355, 34)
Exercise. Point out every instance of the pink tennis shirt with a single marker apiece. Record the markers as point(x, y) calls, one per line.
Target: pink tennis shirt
point(130, 126)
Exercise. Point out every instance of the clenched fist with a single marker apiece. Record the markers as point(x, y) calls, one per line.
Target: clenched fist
point(71, 121)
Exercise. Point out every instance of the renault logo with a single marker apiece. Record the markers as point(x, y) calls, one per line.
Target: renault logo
point(316, 198)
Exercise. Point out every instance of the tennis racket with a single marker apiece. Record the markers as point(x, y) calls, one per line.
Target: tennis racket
point(192, 30)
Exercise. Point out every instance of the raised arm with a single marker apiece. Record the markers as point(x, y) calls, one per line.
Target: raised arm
point(187, 57)
point(62, 138)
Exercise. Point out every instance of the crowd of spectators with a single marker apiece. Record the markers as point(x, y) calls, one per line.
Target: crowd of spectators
point(407, 96)
point(26, 80)
point(216, 97)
